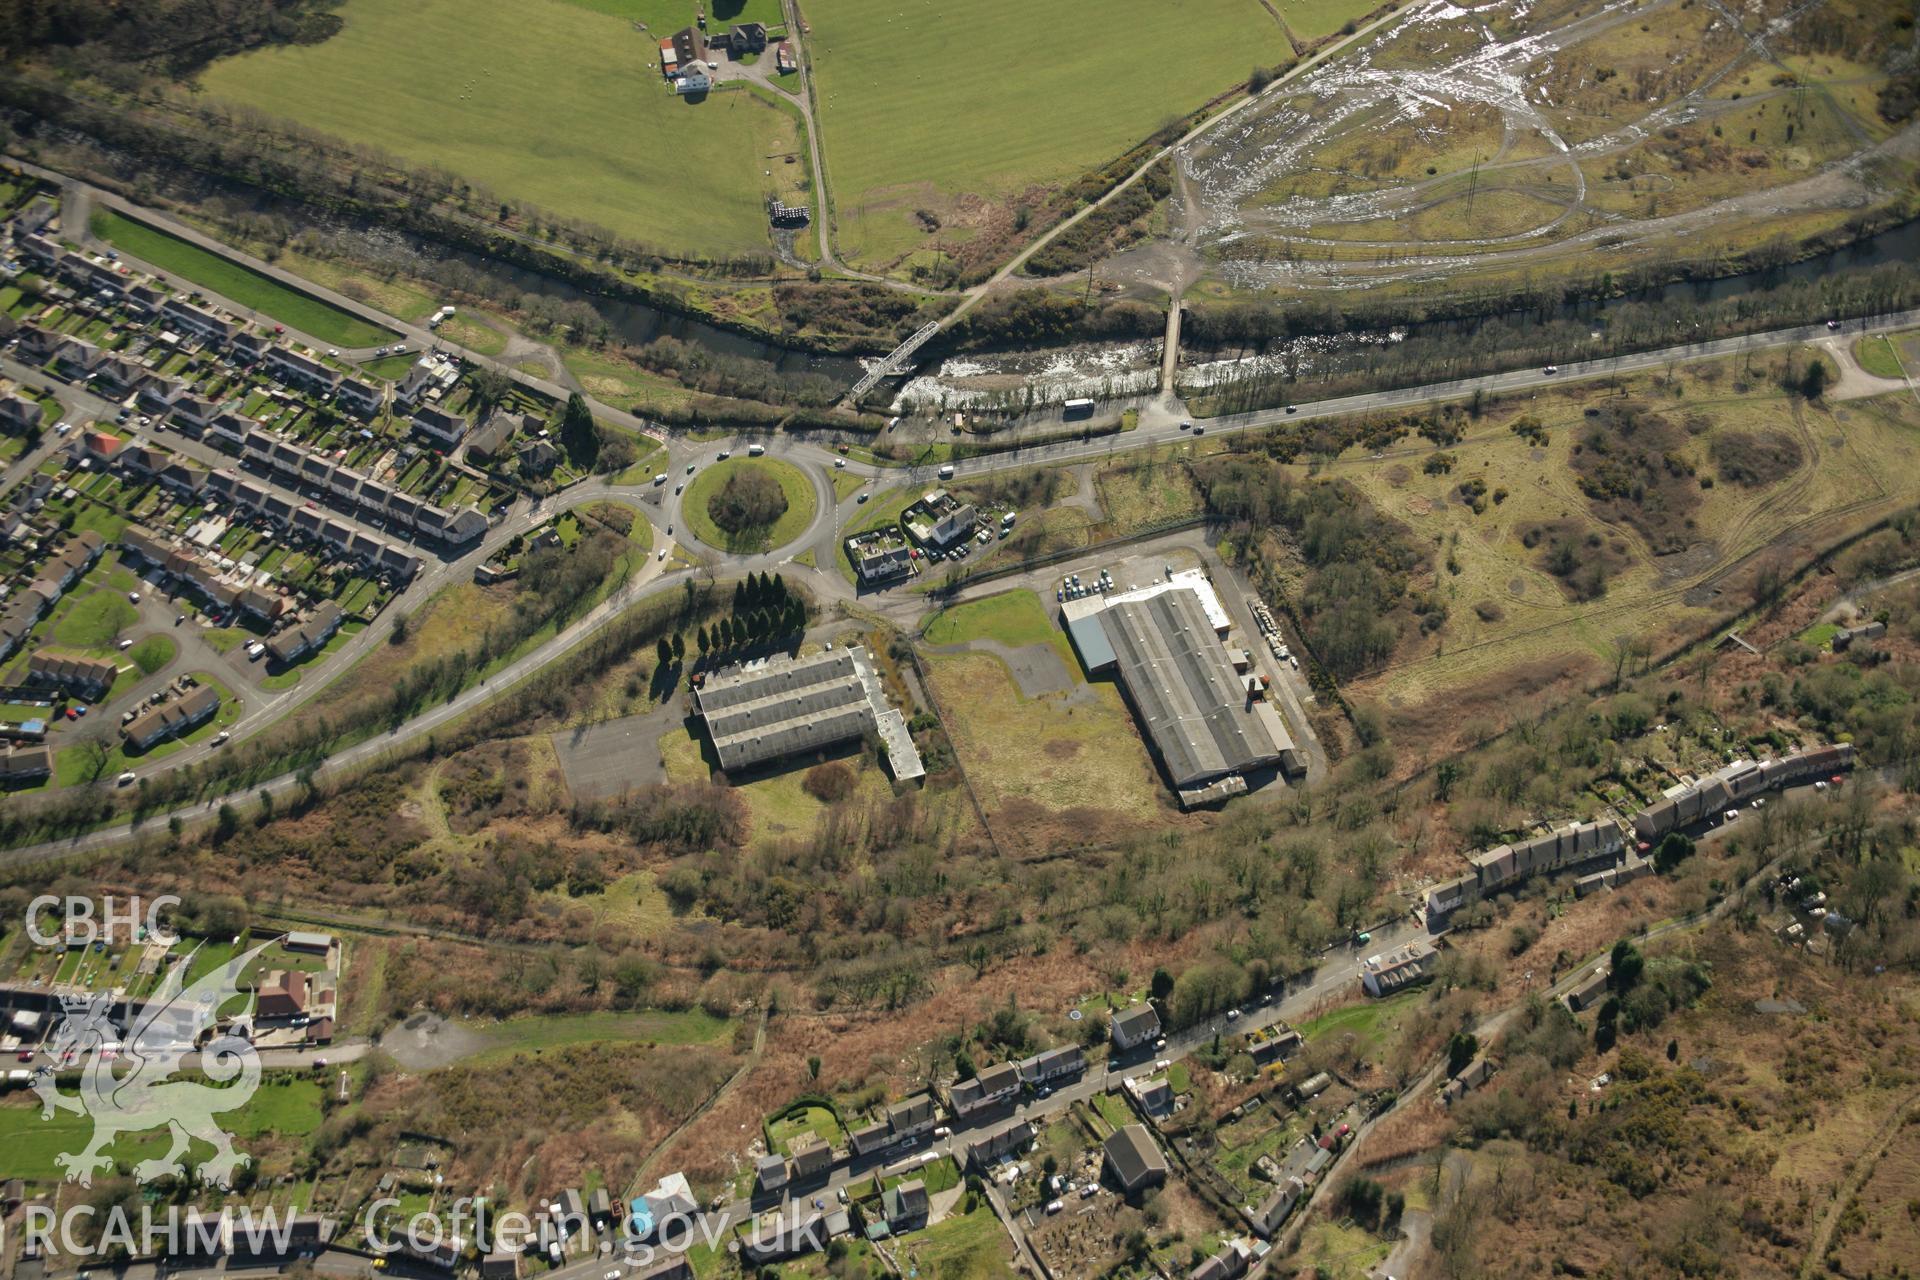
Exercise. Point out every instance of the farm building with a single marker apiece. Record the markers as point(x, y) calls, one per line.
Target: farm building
point(694, 77)
point(1164, 640)
point(777, 707)
point(746, 38)
point(681, 50)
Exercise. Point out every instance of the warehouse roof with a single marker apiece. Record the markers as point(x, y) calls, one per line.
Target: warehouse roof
point(1178, 677)
point(785, 706)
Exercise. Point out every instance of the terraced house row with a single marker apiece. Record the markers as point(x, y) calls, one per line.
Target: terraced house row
point(350, 491)
point(1589, 844)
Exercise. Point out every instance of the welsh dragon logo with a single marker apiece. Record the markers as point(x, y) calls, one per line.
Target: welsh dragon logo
point(128, 1089)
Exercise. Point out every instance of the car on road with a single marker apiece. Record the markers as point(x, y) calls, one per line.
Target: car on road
point(612, 1275)
point(219, 738)
point(943, 1132)
point(126, 779)
point(1199, 431)
point(399, 348)
point(254, 650)
point(1819, 786)
point(1186, 426)
point(179, 618)
point(74, 714)
point(334, 352)
point(1362, 939)
point(1758, 802)
point(690, 467)
point(125, 645)
point(864, 495)
point(1161, 1043)
point(842, 1193)
point(840, 462)
point(26, 1055)
point(662, 555)
point(380, 351)
point(133, 596)
point(1162, 1064)
point(1552, 368)
point(1833, 324)
point(1729, 815)
point(1233, 1015)
point(1293, 408)
point(722, 456)
point(1055, 1206)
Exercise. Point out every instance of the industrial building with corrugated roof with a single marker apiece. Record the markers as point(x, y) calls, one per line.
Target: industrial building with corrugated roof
point(1164, 640)
point(782, 706)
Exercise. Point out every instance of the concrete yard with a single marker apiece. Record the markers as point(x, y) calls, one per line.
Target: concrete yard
point(604, 760)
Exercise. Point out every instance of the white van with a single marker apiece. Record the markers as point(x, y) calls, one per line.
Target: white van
point(946, 472)
point(755, 450)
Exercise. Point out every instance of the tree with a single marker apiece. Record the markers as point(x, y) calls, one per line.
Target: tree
point(1675, 849)
point(578, 435)
point(1445, 775)
point(813, 1067)
point(490, 386)
point(1814, 383)
point(94, 755)
point(700, 639)
point(1461, 1049)
point(1161, 985)
point(679, 646)
point(664, 650)
point(1628, 965)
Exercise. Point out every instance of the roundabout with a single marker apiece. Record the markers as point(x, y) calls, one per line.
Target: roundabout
point(749, 505)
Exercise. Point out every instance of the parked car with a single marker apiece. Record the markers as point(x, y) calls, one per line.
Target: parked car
point(126, 779)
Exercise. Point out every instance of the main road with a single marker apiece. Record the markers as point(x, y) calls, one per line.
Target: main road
point(1160, 422)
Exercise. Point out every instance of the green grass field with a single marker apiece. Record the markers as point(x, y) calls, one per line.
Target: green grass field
point(708, 484)
point(288, 1109)
point(815, 1120)
point(555, 103)
point(921, 103)
point(1014, 618)
point(96, 621)
point(239, 285)
point(532, 1035)
point(153, 653)
point(1878, 357)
